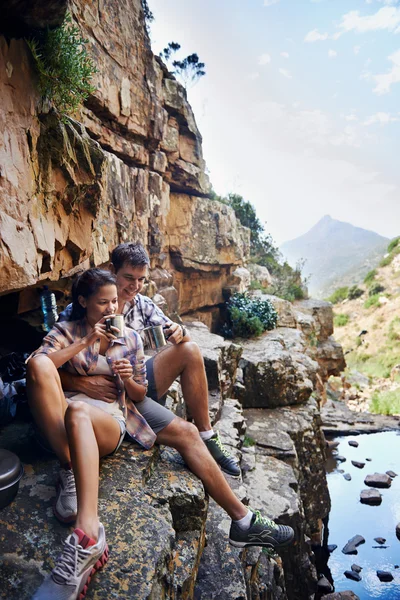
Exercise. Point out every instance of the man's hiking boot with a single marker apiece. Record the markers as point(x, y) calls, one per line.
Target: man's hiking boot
point(221, 456)
point(262, 532)
point(65, 507)
point(80, 559)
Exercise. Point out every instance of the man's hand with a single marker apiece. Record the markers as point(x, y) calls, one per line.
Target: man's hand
point(100, 387)
point(173, 333)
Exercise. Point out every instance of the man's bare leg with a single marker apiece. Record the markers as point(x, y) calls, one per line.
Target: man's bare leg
point(185, 360)
point(185, 438)
point(48, 404)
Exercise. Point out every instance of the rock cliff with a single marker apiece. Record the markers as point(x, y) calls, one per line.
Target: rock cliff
point(130, 167)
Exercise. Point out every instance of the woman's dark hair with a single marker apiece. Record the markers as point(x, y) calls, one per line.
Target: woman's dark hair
point(86, 285)
point(131, 253)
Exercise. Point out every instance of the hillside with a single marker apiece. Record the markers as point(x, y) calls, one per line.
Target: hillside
point(336, 254)
point(372, 379)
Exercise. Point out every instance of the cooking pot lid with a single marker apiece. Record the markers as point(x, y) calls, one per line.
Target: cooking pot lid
point(10, 468)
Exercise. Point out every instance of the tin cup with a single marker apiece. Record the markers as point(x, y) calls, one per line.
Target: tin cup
point(155, 337)
point(116, 321)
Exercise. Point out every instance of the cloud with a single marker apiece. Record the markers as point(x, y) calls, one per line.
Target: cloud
point(380, 118)
point(356, 49)
point(285, 54)
point(386, 80)
point(270, 2)
point(386, 18)
point(254, 75)
point(264, 59)
point(315, 36)
point(351, 117)
point(285, 73)
point(332, 53)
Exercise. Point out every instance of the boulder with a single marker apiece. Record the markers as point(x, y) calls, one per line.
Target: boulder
point(398, 531)
point(373, 497)
point(353, 443)
point(260, 274)
point(352, 575)
point(351, 546)
point(378, 480)
point(359, 465)
point(384, 576)
point(322, 314)
point(276, 372)
point(284, 308)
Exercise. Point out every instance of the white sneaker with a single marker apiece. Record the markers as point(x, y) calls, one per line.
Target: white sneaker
point(70, 578)
point(65, 507)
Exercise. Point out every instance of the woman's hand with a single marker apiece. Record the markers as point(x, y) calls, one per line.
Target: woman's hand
point(99, 332)
point(123, 368)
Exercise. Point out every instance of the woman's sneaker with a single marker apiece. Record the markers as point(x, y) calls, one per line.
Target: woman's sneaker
point(65, 507)
point(262, 532)
point(80, 559)
point(221, 456)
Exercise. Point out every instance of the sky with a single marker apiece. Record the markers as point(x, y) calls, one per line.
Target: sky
point(299, 109)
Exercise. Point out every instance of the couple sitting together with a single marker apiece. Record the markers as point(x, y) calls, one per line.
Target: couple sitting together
point(87, 388)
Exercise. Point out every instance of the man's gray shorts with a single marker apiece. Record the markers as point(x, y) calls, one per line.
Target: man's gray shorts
point(151, 387)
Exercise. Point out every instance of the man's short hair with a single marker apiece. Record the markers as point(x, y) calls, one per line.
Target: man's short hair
point(131, 253)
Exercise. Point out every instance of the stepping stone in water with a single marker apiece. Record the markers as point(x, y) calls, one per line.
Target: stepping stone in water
point(372, 497)
point(324, 585)
point(352, 575)
point(391, 474)
point(379, 480)
point(384, 576)
point(380, 540)
point(381, 547)
point(368, 459)
point(356, 568)
point(353, 443)
point(398, 531)
point(340, 458)
point(347, 476)
point(331, 548)
point(359, 465)
point(351, 546)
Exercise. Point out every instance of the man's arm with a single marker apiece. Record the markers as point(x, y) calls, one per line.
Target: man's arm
point(100, 387)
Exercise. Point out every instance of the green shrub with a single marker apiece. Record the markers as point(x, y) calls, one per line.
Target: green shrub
point(64, 66)
point(354, 292)
point(248, 317)
point(370, 276)
point(386, 260)
point(372, 301)
point(340, 320)
point(375, 288)
point(256, 285)
point(338, 295)
point(394, 330)
point(393, 244)
point(385, 403)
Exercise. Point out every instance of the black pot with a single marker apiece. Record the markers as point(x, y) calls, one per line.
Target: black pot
point(11, 472)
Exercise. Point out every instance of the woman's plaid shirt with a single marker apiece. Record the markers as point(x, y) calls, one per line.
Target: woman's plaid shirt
point(84, 363)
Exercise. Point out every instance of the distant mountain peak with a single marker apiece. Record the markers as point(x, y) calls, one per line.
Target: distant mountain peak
point(332, 248)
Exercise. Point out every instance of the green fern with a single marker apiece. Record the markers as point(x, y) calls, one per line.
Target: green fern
point(64, 66)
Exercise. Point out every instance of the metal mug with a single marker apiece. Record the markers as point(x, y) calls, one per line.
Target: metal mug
point(155, 337)
point(116, 321)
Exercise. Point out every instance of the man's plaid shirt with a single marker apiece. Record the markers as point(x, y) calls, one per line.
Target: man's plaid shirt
point(64, 333)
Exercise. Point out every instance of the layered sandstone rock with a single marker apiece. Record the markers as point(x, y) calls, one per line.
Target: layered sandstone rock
point(129, 168)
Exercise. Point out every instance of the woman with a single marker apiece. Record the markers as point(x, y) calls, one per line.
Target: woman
point(81, 429)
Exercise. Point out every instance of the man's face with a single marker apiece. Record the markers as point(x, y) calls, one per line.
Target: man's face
point(130, 281)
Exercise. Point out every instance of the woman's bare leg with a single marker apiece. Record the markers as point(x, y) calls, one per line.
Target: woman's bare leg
point(92, 433)
point(48, 404)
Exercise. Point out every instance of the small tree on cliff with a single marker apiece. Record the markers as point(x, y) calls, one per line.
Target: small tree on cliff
point(189, 70)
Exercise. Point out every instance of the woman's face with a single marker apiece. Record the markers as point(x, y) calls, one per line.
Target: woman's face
point(101, 304)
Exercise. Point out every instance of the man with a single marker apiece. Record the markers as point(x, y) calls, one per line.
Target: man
point(130, 263)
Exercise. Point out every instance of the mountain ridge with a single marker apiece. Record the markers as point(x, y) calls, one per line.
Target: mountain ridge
point(336, 253)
